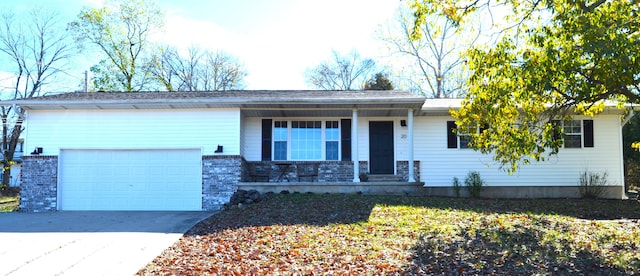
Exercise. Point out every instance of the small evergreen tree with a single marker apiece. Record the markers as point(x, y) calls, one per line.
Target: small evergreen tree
point(379, 82)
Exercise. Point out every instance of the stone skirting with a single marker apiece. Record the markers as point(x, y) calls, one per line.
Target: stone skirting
point(328, 171)
point(39, 186)
point(220, 177)
point(402, 168)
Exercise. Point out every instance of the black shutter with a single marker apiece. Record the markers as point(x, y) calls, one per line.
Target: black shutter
point(483, 127)
point(587, 126)
point(345, 139)
point(266, 139)
point(556, 130)
point(452, 138)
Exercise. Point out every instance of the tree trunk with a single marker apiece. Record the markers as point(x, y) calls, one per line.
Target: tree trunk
point(6, 176)
point(9, 151)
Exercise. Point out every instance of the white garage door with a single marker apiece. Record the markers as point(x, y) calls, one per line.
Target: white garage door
point(130, 180)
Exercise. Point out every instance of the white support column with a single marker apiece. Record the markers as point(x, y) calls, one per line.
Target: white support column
point(410, 142)
point(354, 146)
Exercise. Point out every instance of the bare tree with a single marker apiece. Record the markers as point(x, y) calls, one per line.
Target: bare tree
point(198, 71)
point(222, 72)
point(37, 50)
point(341, 72)
point(435, 63)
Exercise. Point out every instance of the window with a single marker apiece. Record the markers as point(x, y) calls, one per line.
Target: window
point(577, 133)
point(465, 136)
point(306, 140)
point(332, 136)
point(572, 134)
point(280, 137)
point(20, 146)
point(460, 138)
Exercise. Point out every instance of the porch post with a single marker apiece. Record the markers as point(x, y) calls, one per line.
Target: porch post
point(354, 146)
point(410, 142)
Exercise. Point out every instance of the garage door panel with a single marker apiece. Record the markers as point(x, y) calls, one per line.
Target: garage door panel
point(130, 180)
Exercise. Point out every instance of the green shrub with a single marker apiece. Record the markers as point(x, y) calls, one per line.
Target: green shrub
point(474, 183)
point(592, 184)
point(456, 186)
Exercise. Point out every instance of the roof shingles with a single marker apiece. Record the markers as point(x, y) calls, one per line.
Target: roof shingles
point(235, 94)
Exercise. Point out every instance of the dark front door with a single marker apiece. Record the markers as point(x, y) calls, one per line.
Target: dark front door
point(381, 147)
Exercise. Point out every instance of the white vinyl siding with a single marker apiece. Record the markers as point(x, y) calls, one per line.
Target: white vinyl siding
point(438, 165)
point(252, 138)
point(134, 129)
point(242, 143)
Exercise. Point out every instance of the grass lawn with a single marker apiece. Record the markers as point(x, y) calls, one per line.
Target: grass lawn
point(311, 234)
point(8, 203)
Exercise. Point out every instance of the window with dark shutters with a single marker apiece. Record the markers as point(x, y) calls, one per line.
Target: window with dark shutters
point(577, 134)
point(266, 139)
point(345, 139)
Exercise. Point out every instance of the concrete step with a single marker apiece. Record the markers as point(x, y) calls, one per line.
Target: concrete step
point(384, 178)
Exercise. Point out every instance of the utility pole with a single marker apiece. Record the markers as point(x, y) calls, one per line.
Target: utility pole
point(5, 162)
point(86, 81)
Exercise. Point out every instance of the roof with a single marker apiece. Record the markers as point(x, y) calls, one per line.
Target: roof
point(252, 102)
point(440, 106)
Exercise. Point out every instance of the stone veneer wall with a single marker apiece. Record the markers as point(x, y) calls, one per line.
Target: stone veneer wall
point(336, 171)
point(403, 170)
point(39, 186)
point(328, 171)
point(220, 177)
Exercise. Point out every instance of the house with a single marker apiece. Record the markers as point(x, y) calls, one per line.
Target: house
point(193, 150)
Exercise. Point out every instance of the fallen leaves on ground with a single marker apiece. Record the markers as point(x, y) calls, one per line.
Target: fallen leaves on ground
point(305, 234)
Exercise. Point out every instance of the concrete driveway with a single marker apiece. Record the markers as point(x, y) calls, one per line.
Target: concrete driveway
point(88, 243)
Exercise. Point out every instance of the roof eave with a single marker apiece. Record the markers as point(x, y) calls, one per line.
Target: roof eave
point(414, 103)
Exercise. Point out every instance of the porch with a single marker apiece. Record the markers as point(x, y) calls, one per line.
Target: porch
point(327, 177)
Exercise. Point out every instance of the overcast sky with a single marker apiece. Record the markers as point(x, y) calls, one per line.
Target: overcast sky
point(275, 39)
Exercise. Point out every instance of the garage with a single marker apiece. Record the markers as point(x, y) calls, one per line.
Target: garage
point(158, 179)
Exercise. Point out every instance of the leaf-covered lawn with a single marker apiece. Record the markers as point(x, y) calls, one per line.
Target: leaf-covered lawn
point(308, 234)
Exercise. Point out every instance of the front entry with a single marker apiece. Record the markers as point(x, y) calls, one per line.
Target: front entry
point(381, 147)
